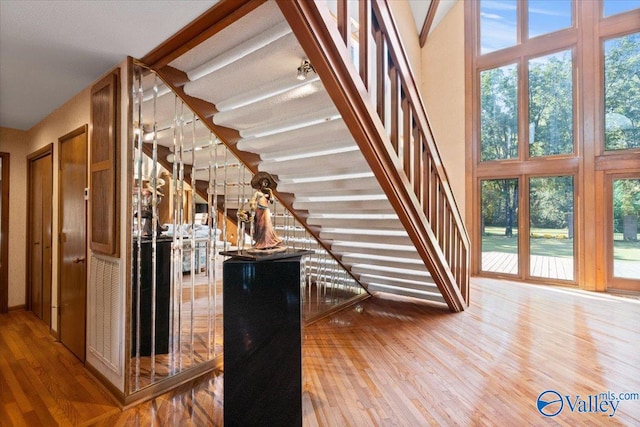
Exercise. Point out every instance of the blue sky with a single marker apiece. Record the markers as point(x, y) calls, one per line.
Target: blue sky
point(498, 19)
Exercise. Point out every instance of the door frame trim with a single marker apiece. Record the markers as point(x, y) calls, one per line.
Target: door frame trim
point(77, 132)
point(4, 229)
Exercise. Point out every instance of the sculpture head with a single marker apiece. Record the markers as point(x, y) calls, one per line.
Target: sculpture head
point(263, 181)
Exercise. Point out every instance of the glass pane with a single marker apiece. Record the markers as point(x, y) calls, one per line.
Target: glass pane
point(613, 7)
point(551, 104)
point(499, 113)
point(622, 92)
point(626, 243)
point(500, 225)
point(551, 227)
point(498, 25)
point(546, 16)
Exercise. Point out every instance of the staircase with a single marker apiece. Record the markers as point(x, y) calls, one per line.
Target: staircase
point(240, 77)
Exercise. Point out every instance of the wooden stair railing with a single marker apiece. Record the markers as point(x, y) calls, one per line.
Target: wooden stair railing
point(393, 133)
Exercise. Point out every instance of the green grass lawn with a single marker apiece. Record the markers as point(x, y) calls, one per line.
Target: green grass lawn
point(551, 243)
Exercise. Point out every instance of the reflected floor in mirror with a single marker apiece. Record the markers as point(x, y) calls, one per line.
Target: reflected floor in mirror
point(200, 339)
point(205, 342)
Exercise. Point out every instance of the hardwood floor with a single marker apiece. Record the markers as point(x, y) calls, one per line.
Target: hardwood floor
point(396, 362)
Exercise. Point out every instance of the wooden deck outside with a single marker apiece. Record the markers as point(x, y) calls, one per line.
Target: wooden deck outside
point(541, 266)
point(396, 362)
point(549, 266)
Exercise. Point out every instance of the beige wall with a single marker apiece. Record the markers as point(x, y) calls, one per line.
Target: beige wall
point(16, 143)
point(70, 116)
point(438, 69)
point(443, 91)
point(409, 34)
point(19, 144)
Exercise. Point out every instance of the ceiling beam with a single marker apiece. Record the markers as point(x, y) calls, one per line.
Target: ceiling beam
point(214, 20)
point(428, 22)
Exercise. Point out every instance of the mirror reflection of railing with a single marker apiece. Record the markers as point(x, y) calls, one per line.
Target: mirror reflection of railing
point(187, 187)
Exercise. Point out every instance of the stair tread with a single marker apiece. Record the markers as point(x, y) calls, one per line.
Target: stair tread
point(400, 282)
point(309, 103)
point(264, 73)
point(327, 162)
point(295, 150)
point(356, 223)
point(365, 183)
point(398, 290)
point(321, 131)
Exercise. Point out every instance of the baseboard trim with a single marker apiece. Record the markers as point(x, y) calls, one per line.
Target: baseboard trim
point(154, 390)
point(21, 307)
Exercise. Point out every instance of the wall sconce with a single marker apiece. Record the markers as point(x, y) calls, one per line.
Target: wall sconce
point(304, 69)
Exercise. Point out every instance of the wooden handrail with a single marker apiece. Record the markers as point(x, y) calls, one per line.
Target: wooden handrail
point(454, 242)
point(384, 111)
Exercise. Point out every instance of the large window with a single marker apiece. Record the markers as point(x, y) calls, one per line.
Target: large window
point(498, 23)
point(551, 227)
point(622, 92)
point(499, 116)
point(625, 237)
point(500, 225)
point(612, 7)
point(547, 16)
point(551, 104)
point(556, 139)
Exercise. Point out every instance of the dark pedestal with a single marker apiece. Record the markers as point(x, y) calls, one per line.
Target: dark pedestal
point(262, 341)
point(163, 295)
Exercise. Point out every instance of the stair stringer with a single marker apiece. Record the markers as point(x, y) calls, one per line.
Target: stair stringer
point(333, 63)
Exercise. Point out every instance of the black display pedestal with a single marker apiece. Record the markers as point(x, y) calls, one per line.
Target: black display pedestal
point(163, 295)
point(262, 339)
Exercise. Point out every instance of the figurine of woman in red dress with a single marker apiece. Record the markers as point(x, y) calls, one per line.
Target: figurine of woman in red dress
point(264, 235)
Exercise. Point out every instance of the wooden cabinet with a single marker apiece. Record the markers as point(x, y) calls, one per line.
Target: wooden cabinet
point(104, 151)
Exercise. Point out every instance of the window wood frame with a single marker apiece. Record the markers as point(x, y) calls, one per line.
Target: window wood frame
point(589, 164)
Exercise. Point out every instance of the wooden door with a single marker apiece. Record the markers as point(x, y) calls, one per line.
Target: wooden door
point(73, 242)
point(39, 236)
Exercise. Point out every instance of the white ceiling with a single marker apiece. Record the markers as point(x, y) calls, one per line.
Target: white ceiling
point(420, 8)
point(51, 50)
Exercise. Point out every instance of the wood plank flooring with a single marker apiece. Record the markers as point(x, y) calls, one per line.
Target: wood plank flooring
point(396, 362)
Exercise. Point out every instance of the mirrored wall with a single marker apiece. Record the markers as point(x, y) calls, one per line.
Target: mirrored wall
point(187, 189)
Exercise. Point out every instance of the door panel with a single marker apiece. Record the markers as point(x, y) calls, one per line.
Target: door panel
point(47, 225)
point(39, 242)
point(35, 244)
point(72, 260)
